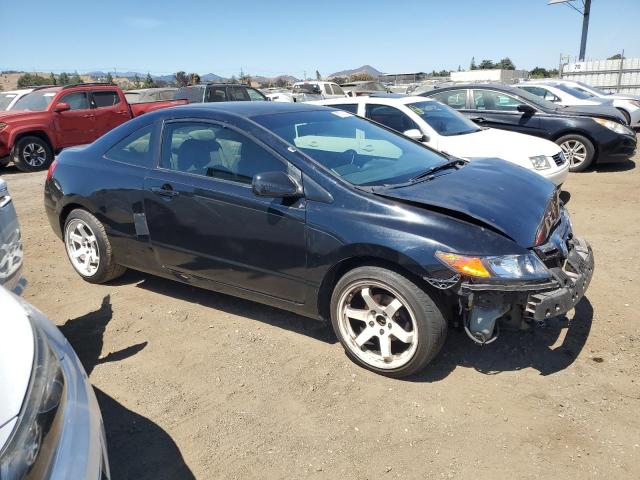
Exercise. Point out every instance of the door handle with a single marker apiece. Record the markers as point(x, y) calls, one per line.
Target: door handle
point(87, 116)
point(478, 119)
point(165, 190)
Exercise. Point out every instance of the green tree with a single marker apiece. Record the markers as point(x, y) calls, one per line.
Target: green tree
point(360, 77)
point(486, 65)
point(136, 81)
point(472, 65)
point(505, 64)
point(32, 79)
point(281, 82)
point(76, 78)
point(109, 78)
point(318, 76)
point(194, 78)
point(148, 81)
point(52, 79)
point(182, 80)
point(63, 79)
point(617, 56)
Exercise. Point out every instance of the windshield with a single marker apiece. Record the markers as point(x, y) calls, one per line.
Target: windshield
point(574, 92)
point(35, 101)
point(592, 89)
point(355, 149)
point(536, 100)
point(306, 88)
point(6, 99)
point(443, 119)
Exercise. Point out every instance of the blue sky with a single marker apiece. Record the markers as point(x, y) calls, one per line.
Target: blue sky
point(277, 37)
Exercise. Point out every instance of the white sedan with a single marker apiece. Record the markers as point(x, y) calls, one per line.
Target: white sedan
point(626, 103)
point(446, 130)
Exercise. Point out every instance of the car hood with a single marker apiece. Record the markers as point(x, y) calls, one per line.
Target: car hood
point(16, 359)
point(12, 114)
point(491, 192)
point(490, 142)
point(602, 111)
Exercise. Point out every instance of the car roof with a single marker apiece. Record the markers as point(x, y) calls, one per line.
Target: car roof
point(491, 86)
point(379, 99)
point(246, 109)
point(23, 90)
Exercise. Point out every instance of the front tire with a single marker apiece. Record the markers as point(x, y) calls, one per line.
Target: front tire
point(89, 249)
point(578, 150)
point(31, 154)
point(626, 115)
point(385, 322)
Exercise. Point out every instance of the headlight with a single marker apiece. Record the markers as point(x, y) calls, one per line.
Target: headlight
point(540, 162)
point(614, 126)
point(2, 126)
point(31, 446)
point(511, 267)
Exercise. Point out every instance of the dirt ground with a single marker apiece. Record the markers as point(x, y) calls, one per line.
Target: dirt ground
point(198, 384)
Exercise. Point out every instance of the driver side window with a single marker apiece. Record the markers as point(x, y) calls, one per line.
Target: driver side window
point(76, 100)
point(210, 150)
point(496, 101)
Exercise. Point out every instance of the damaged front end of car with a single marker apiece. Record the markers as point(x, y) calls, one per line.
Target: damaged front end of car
point(516, 292)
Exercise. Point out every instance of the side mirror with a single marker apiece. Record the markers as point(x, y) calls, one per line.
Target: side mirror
point(61, 107)
point(276, 185)
point(526, 109)
point(417, 135)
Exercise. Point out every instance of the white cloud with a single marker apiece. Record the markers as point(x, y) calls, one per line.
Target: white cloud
point(145, 23)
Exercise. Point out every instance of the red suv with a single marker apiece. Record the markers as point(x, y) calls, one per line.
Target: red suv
point(49, 119)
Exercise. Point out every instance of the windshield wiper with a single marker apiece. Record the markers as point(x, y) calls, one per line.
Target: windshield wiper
point(426, 175)
point(443, 166)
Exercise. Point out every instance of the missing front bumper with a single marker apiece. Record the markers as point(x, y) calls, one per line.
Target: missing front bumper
point(519, 305)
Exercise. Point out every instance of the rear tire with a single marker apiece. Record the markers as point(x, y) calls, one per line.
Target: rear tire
point(385, 322)
point(89, 249)
point(31, 154)
point(578, 150)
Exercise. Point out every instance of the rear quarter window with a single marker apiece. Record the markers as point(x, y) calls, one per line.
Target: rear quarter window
point(134, 149)
point(107, 98)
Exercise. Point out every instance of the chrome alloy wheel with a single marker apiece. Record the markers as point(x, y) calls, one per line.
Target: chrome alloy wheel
point(377, 324)
point(82, 247)
point(34, 155)
point(574, 151)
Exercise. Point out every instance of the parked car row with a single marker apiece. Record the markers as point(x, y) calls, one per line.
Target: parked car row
point(587, 134)
point(446, 130)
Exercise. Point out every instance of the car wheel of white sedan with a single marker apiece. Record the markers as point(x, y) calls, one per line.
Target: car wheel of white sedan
point(386, 322)
point(89, 249)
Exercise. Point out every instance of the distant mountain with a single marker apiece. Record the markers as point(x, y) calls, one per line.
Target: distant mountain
point(209, 77)
point(363, 69)
point(265, 80)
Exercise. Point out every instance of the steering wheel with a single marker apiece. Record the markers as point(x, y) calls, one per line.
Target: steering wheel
point(349, 156)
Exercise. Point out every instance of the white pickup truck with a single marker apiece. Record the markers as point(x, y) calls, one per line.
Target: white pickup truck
point(316, 90)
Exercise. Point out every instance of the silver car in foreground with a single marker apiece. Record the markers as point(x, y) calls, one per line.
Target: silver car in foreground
point(50, 422)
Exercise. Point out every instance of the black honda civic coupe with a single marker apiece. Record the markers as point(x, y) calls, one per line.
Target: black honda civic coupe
point(323, 213)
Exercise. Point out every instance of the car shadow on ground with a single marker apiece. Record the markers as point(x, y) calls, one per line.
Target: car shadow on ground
point(137, 447)
point(232, 305)
point(9, 170)
point(615, 167)
point(540, 348)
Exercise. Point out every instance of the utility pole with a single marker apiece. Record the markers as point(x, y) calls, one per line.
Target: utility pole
point(585, 28)
point(585, 12)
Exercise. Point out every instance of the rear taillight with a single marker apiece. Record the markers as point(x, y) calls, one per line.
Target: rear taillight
point(52, 168)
